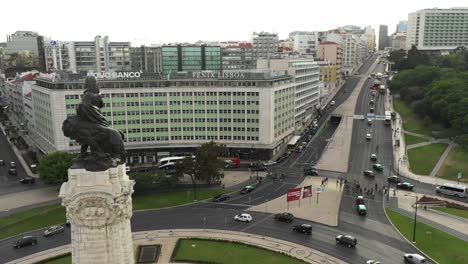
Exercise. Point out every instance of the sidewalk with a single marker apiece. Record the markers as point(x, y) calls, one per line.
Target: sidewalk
point(450, 224)
point(168, 239)
point(401, 166)
point(21, 199)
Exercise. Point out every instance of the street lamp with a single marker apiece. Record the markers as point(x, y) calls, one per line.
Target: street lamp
point(415, 216)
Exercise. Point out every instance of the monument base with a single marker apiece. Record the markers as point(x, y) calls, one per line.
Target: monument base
point(99, 208)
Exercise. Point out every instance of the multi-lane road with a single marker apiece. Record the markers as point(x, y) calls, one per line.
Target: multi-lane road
point(376, 238)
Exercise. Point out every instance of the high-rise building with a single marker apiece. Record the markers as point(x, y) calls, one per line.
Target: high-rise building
point(383, 37)
point(437, 29)
point(402, 26)
point(146, 59)
point(237, 55)
point(305, 42)
point(350, 53)
point(176, 58)
point(399, 41)
point(264, 44)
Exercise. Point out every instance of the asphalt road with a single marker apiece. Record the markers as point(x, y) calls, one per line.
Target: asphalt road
point(376, 238)
point(10, 183)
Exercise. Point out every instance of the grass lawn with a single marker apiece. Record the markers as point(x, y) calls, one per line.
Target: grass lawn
point(453, 211)
point(410, 140)
point(423, 159)
point(208, 251)
point(161, 200)
point(442, 247)
point(457, 160)
point(410, 121)
point(65, 259)
point(54, 214)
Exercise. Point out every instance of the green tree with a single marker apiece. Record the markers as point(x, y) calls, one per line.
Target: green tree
point(53, 167)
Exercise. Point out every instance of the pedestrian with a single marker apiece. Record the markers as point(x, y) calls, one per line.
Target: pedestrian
point(337, 183)
point(394, 192)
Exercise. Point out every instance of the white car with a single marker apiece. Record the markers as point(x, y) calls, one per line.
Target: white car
point(314, 121)
point(53, 230)
point(269, 163)
point(368, 136)
point(332, 103)
point(243, 218)
point(414, 258)
point(371, 261)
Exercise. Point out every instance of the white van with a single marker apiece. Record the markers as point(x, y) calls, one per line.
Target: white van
point(452, 189)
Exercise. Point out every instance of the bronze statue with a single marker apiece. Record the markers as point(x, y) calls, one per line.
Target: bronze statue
point(91, 130)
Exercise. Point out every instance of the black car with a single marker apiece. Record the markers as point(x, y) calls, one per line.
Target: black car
point(377, 167)
point(284, 217)
point(259, 167)
point(25, 241)
point(394, 179)
point(2, 162)
point(28, 180)
point(12, 171)
point(405, 185)
point(369, 173)
point(349, 241)
point(371, 110)
point(304, 228)
point(311, 171)
point(221, 197)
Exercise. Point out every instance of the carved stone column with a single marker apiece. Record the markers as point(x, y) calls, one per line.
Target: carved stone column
point(99, 208)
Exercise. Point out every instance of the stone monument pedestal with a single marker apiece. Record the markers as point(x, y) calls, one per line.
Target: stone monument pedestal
point(99, 208)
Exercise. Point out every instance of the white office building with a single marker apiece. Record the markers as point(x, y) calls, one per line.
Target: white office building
point(437, 29)
point(305, 42)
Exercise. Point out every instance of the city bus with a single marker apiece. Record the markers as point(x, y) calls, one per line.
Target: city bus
point(169, 162)
point(293, 143)
point(452, 189)
point(388, 117)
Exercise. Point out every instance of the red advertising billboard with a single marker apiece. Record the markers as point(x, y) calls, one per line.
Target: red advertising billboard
point(307, 191)
point(294, 194)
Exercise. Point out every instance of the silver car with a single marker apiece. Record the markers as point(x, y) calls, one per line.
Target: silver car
point(53, 230)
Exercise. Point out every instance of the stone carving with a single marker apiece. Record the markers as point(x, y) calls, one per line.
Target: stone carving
point(91, 130)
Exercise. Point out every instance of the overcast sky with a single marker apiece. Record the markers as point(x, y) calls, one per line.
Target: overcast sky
point(157, 22)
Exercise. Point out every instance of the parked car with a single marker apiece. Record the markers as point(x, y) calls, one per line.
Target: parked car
point(25, 241)
point(243, 217)
point(361, 209)
point(247, 189)
point(28, 180)
point(2, 162)
point(221, 198)
point(269, 163)
point(332, 103)
point(394, 179)
point(377, 167)
point(373, 157)
point(284, 217)
point(12, 164)
point(304, 228)
point(405, 185)
point(414, 258)
point(368, 136)
point(12, 171)
point(369, 173)
point(53, 230)
point(347, 240)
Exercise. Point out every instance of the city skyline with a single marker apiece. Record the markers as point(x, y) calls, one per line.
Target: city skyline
point(155, 24)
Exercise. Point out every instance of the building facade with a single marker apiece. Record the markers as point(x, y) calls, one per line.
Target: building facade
point(245, 110)
point(305, 42)
point(383, 37)
point(399, 41)
point(264, 44)
point(146, 59)
point(21, 41)
point(238, 56)
point(332, 53)
point(437, 29)
point(306, 78)
point(177, 58)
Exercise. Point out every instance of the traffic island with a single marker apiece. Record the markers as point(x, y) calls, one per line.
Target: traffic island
point(321, 207)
